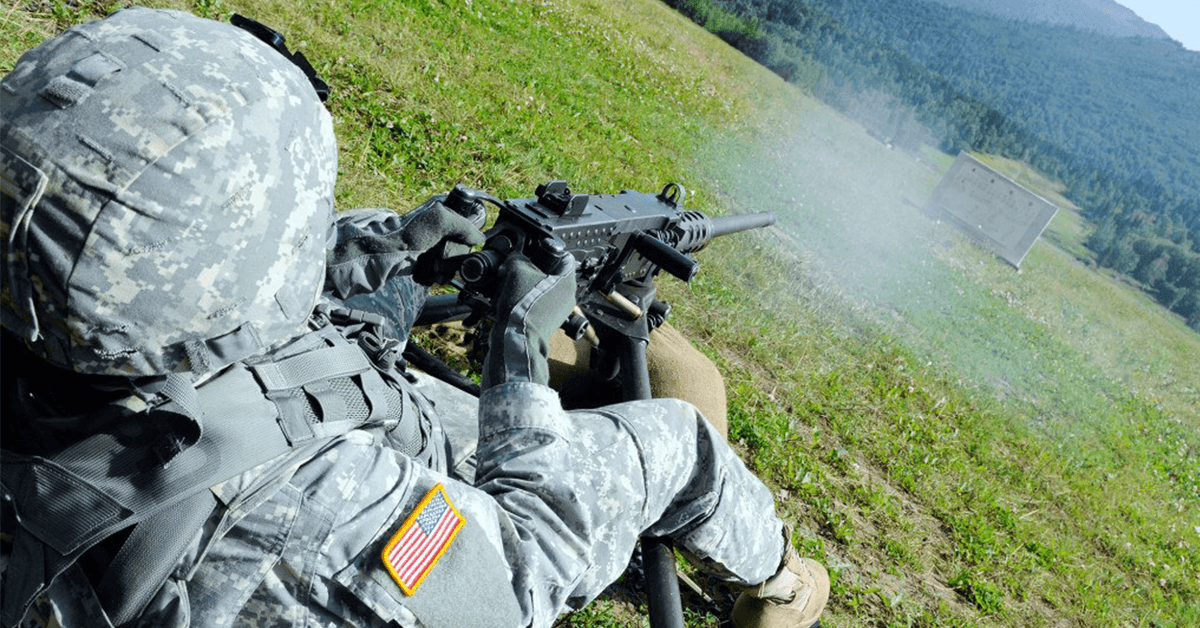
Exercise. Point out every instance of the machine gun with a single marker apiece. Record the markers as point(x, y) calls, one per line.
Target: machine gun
point(620, 242)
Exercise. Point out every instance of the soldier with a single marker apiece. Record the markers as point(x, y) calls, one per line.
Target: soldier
point(201, 429)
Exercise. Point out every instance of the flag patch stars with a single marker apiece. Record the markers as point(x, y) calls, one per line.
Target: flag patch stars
point(416, 547)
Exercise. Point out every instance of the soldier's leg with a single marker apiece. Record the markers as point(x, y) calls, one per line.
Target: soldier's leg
point(588, 484)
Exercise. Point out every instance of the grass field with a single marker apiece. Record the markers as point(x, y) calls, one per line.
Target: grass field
point(962, 444)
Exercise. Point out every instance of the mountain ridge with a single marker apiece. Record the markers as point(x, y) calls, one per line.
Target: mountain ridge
point(1106, 17)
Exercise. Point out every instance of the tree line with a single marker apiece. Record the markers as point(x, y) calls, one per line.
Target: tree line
point(1116, 120)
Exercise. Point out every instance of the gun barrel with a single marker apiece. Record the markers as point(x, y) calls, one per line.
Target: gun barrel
point(725, 225)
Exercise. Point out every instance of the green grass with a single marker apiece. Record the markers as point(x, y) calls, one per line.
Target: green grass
point(962, 445)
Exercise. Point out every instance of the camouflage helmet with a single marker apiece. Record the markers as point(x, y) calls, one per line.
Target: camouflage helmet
point(167, 184)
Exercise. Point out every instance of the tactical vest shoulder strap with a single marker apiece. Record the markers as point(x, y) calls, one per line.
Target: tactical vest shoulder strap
point(149, 555)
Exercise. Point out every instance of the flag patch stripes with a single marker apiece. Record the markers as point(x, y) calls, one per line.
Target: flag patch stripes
point(416, 547)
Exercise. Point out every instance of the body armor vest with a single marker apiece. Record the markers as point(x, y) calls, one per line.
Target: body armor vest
point(332, 380)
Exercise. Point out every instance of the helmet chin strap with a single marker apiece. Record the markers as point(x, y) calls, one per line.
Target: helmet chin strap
point(27, 190)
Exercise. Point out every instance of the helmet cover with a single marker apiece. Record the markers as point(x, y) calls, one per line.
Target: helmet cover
point(166, 184)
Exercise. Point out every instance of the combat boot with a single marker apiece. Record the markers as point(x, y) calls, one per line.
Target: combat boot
point(793, 598)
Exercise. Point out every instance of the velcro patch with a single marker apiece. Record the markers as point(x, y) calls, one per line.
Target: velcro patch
point(427, 533)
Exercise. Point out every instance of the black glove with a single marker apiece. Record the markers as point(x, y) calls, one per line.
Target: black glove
point(375, 245)
point(531, 305)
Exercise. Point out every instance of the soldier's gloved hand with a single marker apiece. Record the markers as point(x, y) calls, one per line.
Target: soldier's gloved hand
point(373, 245)
point(432, 222)
point(531, 305)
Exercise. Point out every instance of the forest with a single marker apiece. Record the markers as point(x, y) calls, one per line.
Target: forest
point(1114, 119)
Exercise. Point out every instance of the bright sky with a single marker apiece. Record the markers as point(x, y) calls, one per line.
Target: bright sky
point(1180, 18)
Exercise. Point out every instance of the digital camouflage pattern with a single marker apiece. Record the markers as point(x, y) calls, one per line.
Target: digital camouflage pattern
point(161, 214)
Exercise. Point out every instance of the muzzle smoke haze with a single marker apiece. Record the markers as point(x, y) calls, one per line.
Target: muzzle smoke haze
point(852, 208)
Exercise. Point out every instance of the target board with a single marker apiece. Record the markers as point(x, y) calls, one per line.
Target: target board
point(992, 208)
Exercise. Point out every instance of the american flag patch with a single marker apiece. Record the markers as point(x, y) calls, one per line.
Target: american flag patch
point(422, 540)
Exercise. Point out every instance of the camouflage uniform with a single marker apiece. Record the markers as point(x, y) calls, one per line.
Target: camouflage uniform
point(550, 503)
